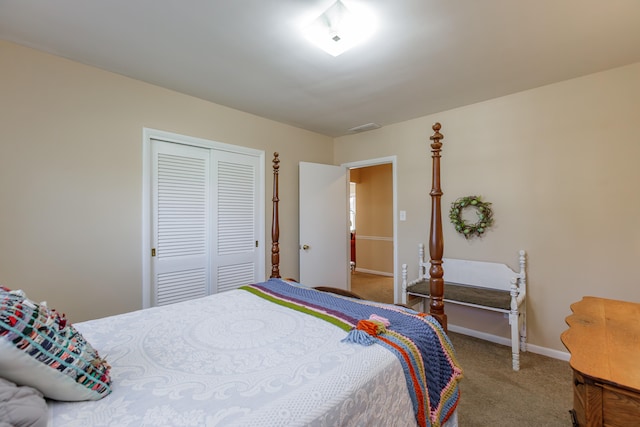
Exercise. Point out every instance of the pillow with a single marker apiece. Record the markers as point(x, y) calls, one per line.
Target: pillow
point(21, 406)
point(40, 349)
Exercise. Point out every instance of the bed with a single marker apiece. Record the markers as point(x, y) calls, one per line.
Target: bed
point(275, 353)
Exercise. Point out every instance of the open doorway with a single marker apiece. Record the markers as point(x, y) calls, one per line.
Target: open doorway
point(372, 221)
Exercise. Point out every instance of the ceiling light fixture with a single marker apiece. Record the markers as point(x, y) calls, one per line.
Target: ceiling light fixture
point(340, 28)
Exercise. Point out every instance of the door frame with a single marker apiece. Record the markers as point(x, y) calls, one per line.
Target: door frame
point(147, 135)
point(394, 172)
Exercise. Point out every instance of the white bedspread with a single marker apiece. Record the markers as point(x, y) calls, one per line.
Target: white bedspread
point(234, 359)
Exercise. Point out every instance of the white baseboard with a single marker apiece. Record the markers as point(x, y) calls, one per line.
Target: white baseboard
point(379, 273)
point(544, 351)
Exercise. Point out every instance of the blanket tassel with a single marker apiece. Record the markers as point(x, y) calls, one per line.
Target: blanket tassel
point(365, 332)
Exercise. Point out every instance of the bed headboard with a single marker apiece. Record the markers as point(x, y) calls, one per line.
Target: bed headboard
point(483, 274)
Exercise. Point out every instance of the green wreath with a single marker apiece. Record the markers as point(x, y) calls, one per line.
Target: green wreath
point(483, 210)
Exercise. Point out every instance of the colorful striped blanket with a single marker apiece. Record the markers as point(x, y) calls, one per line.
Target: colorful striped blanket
point(423, 349)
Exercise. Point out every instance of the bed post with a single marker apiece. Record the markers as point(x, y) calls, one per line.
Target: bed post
point(436, 244)
point(275, 222)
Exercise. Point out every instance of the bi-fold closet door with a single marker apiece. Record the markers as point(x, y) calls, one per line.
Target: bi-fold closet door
point(205, 220)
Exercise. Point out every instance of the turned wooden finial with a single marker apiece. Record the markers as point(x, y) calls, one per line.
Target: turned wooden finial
point(436, 137)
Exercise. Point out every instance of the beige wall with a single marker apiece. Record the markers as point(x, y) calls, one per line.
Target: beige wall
point(374, 218)
point(71, 176)
point(560, 165)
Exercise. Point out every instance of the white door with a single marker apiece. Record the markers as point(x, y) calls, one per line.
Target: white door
point(207, 220)
point(180, 189)
point(236, 235)
point(324, 228)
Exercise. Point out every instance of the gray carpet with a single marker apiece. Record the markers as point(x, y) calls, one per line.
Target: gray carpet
point(492, 394)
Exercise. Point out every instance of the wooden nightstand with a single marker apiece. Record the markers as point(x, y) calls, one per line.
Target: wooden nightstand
point(604, 341)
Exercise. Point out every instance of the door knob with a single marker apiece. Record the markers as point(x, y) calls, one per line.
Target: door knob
point(305, 247)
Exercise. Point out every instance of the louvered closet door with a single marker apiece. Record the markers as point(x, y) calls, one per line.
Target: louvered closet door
point(181, 204)
point(235, 219)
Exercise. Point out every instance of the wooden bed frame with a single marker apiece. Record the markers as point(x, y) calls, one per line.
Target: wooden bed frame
point(436, 241)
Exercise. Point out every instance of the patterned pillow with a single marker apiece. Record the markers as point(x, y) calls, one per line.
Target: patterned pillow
point(40, 349)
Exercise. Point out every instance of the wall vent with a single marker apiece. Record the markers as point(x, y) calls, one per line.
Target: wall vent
point(365, 127)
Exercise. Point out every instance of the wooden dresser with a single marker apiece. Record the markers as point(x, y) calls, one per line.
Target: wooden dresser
point(604, 341)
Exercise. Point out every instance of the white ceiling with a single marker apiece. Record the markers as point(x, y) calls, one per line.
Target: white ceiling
point(427, 56)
